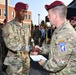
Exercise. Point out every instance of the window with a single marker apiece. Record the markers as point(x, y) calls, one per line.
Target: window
point(0, 12)
point(13, 14)
point(29, 26)
point(4, 12)
point(29, 17)
point(25, 16)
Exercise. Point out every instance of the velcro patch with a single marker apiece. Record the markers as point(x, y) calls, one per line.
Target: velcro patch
point(62, 46)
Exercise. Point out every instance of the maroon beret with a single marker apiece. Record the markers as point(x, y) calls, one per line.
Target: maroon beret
point(55, 3)
point(73, 18)
point(20, 5)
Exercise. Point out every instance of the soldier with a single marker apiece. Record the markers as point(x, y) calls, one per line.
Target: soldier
point(62, 53)
point(16, 36)
point(36, 35)
point(73, 21)
point(3, 53)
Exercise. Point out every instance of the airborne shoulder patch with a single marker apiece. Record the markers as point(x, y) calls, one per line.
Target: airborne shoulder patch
point(62, 45)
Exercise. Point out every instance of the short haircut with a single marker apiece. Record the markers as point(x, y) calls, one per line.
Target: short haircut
point(61, 10)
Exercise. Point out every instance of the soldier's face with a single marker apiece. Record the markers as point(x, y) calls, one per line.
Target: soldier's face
point(21, 14)
point(73, 22)
point(51, 16)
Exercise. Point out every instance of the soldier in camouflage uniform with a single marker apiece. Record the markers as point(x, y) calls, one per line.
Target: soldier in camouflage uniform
point(16, 35)
point(62, 53)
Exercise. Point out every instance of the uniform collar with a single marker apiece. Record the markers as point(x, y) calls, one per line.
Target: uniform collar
point(62, 26)
point(18, 23)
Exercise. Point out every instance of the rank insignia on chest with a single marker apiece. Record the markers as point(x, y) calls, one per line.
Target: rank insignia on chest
point(62, 46)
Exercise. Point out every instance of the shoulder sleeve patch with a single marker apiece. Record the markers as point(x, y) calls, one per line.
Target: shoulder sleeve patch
point(62, 46)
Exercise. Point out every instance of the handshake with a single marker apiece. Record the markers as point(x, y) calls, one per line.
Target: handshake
point(35, 54)
point(36, 50)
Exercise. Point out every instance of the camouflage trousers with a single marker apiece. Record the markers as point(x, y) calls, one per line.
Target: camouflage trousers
point(19, 65)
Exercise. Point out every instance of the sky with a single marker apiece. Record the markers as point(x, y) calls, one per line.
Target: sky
point(37, 7)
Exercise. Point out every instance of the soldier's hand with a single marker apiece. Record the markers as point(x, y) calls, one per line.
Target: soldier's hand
point(41, 62)
point(36, 50)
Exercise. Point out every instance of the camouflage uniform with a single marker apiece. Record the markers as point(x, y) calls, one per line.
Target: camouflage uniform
point(62, 53)
point(16, 37)
point(36, 36)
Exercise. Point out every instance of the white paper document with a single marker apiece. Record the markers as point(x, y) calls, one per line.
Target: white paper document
point(37, 57)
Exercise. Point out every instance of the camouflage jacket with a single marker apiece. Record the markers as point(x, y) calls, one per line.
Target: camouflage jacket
point(62, 53)
point(16, 37)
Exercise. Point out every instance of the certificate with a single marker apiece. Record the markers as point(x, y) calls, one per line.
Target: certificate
point(37, 57)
